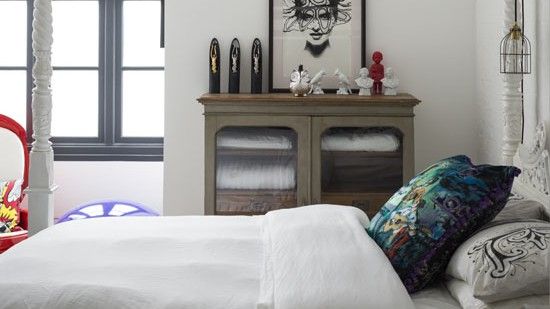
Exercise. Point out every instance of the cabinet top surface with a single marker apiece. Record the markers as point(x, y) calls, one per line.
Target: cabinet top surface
point(402, 99)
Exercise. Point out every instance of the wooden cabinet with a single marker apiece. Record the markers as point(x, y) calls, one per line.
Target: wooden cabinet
point(272, 151)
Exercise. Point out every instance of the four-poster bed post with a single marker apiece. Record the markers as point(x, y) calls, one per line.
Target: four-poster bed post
point(512, 99)
point(41, 181)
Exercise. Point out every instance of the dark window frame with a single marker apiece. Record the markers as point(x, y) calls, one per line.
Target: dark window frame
point(109, 145)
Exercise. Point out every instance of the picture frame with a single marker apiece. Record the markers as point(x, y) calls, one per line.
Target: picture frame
point(319, 34)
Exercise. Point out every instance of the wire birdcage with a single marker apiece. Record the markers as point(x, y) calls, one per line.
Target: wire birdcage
point(515, 52)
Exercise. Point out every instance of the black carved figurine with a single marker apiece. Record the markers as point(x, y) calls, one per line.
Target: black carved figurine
point(256, 67)
point(214, 66)
point(234, 66)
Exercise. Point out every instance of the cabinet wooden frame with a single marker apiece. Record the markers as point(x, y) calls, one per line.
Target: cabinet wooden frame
point(299, 124)
point(309, 117)
point(320, 124)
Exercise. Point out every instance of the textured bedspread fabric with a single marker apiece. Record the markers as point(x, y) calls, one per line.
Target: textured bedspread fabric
point(139, 262)
point(435, 297)
point(204, 262)
point(321, 257)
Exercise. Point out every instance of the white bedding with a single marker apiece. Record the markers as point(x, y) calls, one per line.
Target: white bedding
point(435, 297)
point(299, 258)
point(463, 292)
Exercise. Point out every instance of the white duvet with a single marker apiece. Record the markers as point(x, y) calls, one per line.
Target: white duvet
point(310, 257)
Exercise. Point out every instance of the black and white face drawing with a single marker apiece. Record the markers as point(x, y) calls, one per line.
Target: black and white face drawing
point(316, 19)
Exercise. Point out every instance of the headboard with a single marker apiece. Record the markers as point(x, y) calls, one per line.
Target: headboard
point(533, 160)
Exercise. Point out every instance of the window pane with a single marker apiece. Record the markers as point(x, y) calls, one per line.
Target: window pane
point(13, 96)
point(75, 103)
point(13, 31)
point(75, 33)
point(141, 34)
point(143, 104)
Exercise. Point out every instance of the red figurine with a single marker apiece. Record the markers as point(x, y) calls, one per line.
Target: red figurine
point(377, 72)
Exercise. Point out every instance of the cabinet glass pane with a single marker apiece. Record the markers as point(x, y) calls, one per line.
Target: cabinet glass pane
point(75, 104)
point(13, 32)
point(361, 167)
point(76, 33)
point(256, 170)
point(13, 97)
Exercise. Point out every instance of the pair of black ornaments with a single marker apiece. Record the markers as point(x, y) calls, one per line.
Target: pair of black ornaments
point(235, 67)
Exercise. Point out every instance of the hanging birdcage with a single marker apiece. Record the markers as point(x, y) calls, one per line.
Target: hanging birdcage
point(515, 52)
point(515, 48)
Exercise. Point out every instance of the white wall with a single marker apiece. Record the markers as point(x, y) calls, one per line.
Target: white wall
point(490, 30)
point(81, 182)
point(429, 43)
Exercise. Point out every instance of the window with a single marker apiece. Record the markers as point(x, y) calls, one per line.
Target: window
point(108, 76)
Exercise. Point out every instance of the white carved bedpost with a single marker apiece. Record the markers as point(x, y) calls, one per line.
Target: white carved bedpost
point(41, 184)
point(512, 99)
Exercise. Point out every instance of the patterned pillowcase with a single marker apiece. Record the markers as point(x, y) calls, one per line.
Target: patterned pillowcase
point(10, 198)
point(505, 261)
point(425, 221)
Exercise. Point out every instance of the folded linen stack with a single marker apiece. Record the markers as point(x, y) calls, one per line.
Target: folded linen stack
point(360, 141)
point(254, 138)
point(255, 176)
point(256, 173)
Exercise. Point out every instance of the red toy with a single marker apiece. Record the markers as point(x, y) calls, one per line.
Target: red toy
point(377, 72)
point(7, 240)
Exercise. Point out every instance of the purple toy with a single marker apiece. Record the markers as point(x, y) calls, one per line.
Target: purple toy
point(107, 208)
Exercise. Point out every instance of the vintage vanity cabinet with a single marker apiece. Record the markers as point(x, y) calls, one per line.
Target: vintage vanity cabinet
point(272, 151)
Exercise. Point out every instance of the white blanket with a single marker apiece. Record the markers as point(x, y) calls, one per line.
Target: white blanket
point(321, 257)
point(314, 257)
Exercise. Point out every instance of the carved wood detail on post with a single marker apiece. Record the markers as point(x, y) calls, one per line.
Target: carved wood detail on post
point(41, 185)
point(512, 99)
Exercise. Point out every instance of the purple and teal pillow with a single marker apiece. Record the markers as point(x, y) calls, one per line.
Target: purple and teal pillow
point(425, 221)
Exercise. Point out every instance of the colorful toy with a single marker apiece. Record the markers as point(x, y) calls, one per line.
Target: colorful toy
point(107, 208)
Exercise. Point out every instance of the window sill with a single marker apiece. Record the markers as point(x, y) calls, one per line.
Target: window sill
point(102, 152)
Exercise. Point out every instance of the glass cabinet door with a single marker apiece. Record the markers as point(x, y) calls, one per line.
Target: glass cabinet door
point(256, 169)
point(360, 166)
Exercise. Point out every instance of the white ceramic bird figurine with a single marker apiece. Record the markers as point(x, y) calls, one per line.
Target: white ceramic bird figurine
point(343, 83)
point(299, 82)
point(316, 83)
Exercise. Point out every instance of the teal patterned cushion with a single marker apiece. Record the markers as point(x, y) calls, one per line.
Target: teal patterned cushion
point(425, 221)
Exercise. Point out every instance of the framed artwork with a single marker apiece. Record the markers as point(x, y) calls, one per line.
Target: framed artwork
point(320, 35)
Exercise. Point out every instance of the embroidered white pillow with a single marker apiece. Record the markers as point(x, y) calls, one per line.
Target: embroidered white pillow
point(505, 261)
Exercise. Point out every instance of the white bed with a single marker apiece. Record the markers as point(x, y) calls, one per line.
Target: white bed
point(310, 257)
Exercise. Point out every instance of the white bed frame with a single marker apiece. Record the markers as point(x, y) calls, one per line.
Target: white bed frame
point(533, 159)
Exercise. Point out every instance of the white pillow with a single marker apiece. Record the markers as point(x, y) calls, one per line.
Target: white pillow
point(520, 208)
point(505, 261)
point(463, 293)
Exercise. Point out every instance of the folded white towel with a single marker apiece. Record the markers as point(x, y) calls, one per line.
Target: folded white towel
point(360, 142)
point(254, 138)
point(255, 176)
